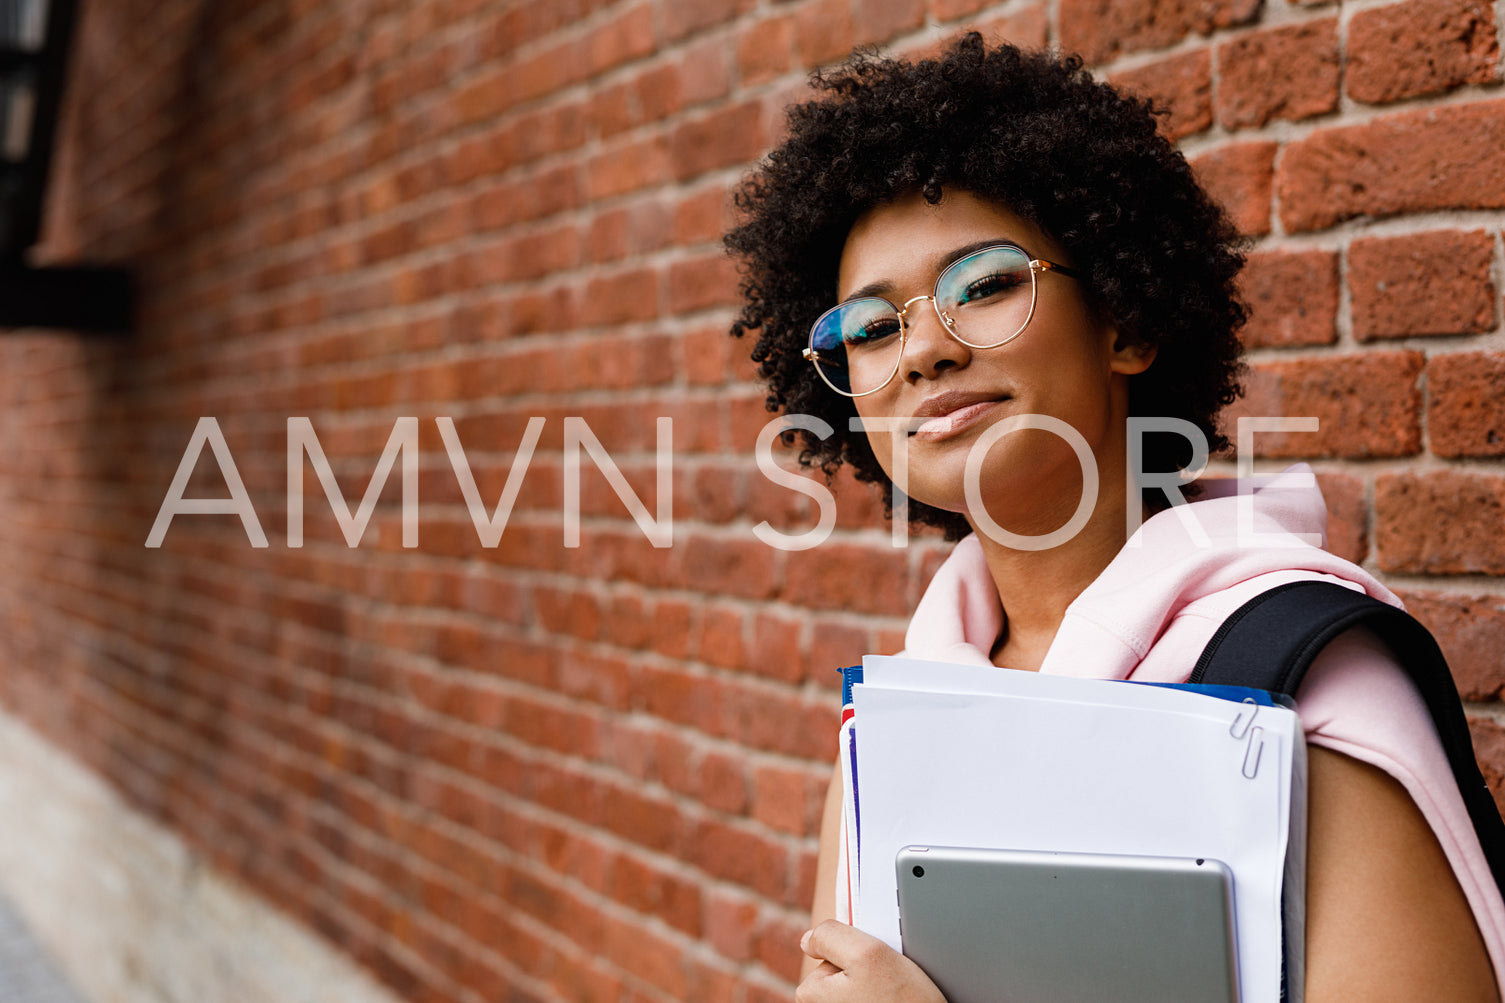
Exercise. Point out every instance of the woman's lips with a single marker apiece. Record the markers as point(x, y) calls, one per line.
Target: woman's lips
point(958, 421)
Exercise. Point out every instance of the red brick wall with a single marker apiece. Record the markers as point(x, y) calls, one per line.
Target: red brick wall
point(595, 773)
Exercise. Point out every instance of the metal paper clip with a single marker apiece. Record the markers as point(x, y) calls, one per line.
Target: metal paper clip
point(1252, 751)
point(1240, 726)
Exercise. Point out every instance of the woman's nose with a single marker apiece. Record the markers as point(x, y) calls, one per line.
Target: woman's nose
point(929, 348)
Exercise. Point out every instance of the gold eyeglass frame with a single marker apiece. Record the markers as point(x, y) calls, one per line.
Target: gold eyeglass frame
point(1036, 266)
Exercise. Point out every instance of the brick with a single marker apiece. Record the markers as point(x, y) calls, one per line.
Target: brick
point(660, 92)
point(597, 496)
point(1466, 404)
point(674, 760)
point(1420, 47)
point(535, 255)
point(607, 238)
point(1240, 176)
point(1347, 516)
point(707, 981)
point(625, 37)
point(858, 506)
point(648, 955)
point(1292, 297)
point(723, 783)
point(526, 23)
point(1179, 87)
point(1098, 30)
point(727, 136)
point(1423, 283)
point(779, 945)
point(699, 283)
point(776, 651)
point(788, 800)
point(786, 509)
point(739, 856)
point(1288, 72)
point(765, 49)
point(648, 889)
point(550, 727)
point(886, 641)
point(708, 357)
point(594, 678)
point(546, 72)
point(647, 820)
point(650, 96)
point(671, 618)
point(803, 886)
point(742, 566)
point(824, 31)
point(1441, 522)
point(622, 298)
point(1367, 405)
point(880, 21)
point(631, 165)
point(538, 309)
point(767, 719)
point(484, 97)
point(635, 229)
point(683, 18)
point(721, 637)
point(1413, 161)
point(702, 216)
point(629, 748)
point(950, 10)
point(611, 111)
point(555, 129)
point(766, 994)
point(680, 697)
point(1470, 630)
point(1026, 27)
point(713, 493)
point(706, 71)
point(545, 194)
point(847, 577)
point(570, 979)
point(730, 918)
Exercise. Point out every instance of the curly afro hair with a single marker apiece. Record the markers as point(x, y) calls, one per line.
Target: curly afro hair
point(1037, 135)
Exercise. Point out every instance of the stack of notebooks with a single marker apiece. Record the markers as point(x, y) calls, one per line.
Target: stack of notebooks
point(942, 755)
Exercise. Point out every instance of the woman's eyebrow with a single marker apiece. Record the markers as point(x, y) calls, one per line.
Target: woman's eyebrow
point(938, 264)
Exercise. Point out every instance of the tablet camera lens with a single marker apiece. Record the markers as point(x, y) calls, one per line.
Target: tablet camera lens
point(919, 871)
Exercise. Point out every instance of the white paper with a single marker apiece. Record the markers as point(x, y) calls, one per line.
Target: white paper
point(1067, 764)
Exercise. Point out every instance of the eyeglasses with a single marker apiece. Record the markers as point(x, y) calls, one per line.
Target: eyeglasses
point(984, 300)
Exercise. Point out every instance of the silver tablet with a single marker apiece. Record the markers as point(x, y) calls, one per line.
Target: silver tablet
point(990, 926)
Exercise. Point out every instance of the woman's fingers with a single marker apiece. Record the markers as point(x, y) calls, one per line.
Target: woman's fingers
point(842, 945)
point(826, 984)
point(859, 968)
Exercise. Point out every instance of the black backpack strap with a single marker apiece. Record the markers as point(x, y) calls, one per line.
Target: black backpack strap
point(1270, 642)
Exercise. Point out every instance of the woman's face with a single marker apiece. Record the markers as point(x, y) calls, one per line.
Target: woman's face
point(1065, 364)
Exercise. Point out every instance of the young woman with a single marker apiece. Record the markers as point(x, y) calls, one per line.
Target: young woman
point(992, 234)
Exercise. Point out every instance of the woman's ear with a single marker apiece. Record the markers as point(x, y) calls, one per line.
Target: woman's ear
point(1129, 357)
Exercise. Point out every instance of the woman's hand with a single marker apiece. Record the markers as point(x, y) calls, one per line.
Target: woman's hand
point(856, 967)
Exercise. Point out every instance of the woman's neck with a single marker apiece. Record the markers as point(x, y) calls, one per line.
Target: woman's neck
point(1036, 586)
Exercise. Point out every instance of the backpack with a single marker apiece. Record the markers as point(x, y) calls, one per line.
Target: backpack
point(1270, 642)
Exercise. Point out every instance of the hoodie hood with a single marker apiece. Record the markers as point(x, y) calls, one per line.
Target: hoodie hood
point(1157, 604)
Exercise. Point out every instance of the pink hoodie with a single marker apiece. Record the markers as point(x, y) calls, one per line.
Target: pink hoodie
point(1154, 608)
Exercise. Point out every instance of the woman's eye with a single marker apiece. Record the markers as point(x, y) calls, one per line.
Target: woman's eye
point(990, 285)
point(873, 332)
